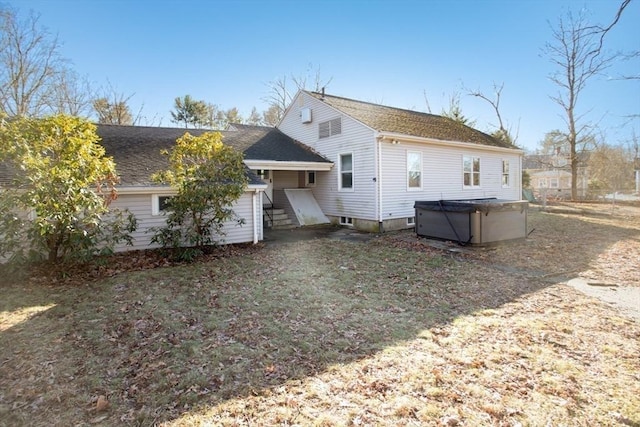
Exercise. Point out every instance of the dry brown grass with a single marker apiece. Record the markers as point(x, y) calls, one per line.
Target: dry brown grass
point(326, 332)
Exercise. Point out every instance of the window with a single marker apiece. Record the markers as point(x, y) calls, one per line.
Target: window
point(471, 171)
point(346, 171)
point(553, 183)
point(310, 179)
point(160, 204)
point(542, 182)
point(505, 173)
point(346, 220)
point(330, 128)
point(414, 171)
point(411, 220)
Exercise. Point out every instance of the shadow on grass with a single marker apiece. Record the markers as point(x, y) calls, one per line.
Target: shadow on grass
point(162, 343)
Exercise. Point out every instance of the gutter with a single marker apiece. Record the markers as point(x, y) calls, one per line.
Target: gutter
point(391, 136)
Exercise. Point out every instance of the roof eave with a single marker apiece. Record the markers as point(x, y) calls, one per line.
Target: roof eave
point(393, 136)
point(290, 166)
point(165, 189)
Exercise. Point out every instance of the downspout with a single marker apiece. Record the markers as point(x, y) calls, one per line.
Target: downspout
point(520, 177)
point(254, 199)
point(379, 182)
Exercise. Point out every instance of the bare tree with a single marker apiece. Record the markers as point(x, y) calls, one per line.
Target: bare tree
point(72, 95)
point(503, 131)
point(30, 65)
point(577, 54)
point(281, 91)
point(254, 118)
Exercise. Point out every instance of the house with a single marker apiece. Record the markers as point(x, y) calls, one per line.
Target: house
point(330, 159)
point(385, 159)
point(550, 175)
point(137, 154)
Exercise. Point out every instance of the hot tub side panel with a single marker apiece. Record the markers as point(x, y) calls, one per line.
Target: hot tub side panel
point(431, 223)
point(496, 226)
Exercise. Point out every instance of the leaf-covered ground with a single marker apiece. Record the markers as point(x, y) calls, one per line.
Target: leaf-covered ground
point(329, 332)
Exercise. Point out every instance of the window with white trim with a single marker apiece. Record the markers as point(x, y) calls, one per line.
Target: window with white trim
point(310, 179)
point(330, 128)
point(553, 183)
point(505, 173)
point(160, 203)
point(542, 182)
point(414, 170)
point(346, 220)
point(346, 171)
point(471, 171)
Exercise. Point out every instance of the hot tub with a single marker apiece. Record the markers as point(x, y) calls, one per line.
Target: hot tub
point(476, 222)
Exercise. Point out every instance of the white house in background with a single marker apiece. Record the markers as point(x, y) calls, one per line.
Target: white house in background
point(385, 159)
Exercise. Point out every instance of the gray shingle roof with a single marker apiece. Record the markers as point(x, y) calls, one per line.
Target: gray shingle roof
point(136, 149)
point(407, 122)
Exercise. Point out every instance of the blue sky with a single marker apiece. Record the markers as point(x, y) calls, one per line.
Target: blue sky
point(389, 52)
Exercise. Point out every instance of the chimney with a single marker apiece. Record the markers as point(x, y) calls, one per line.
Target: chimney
point(322, 94)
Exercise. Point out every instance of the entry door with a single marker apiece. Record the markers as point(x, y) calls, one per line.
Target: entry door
point(267, 177)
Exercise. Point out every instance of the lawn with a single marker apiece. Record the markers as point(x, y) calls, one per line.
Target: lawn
point(330, 332)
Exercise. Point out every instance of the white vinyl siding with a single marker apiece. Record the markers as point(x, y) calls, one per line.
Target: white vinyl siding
point(441, 177)
point(414, 170)
point(141, 205)
point(354, 137)
point(471, 173)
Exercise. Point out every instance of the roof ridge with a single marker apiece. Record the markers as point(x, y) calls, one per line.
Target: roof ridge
point(374, 104)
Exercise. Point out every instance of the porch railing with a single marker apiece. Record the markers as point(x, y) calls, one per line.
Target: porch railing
point(268, 211)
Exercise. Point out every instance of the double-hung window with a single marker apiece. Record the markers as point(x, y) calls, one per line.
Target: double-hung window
point(414, 170)
point(505, 173)
point(346, 172)
point(471, 171)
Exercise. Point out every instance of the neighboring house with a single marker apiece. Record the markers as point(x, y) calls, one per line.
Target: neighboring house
point(550, 175)
point(388, 158)
point(137, 154)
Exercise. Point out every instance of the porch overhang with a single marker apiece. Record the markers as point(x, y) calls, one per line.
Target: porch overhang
point(288, 166)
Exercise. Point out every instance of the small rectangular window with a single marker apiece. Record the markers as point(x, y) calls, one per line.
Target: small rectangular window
point(310, 179)
point(471, 171)
point(160, 204)
point(553, 183)
point(346, 171)
point(505, 173)
point(414, 171)
point(542, 182)
point(330, 128)
point(346, 220)
point(411, 220)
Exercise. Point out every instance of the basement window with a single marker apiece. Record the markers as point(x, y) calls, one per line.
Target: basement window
point(411, 220)
point(346, 220)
